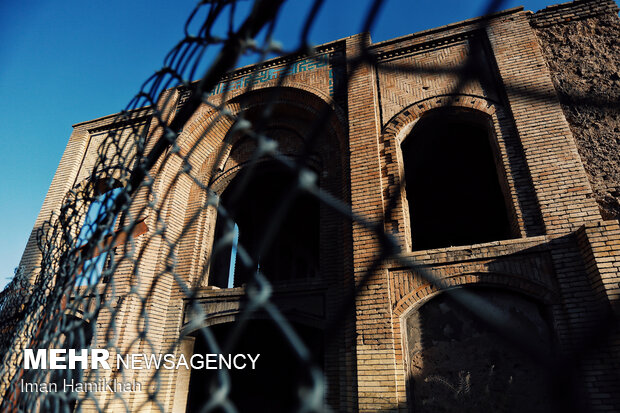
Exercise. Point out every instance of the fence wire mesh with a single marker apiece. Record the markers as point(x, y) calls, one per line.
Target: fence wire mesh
point(116, 250)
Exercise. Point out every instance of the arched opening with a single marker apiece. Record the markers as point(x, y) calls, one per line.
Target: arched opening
point(274, 384)
point(294, 250)
point(458, 363)
point(91, 270)
point(452, 184)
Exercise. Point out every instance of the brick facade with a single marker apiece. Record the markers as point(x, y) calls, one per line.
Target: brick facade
point(561, 254)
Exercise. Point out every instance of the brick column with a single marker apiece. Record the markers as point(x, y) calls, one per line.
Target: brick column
point(376, 378)
point(583, 270)
point(559, 178)
point(599, 244)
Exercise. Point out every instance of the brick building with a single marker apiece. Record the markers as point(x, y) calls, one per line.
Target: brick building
point(486, 147)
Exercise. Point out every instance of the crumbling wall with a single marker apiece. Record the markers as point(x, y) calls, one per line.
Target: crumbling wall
point(581, 41)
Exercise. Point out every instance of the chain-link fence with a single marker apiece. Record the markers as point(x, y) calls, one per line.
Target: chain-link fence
point(148, 254)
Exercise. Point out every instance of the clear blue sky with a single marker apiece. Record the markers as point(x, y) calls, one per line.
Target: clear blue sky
point(68, 61)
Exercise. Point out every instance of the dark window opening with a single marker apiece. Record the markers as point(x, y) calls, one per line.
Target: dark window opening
point(294, 251)
point(279, 375)
point(452, 184)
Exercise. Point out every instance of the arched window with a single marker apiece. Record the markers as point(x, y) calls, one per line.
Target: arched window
point(92, 269)
point(452, 185)
point(294, 250)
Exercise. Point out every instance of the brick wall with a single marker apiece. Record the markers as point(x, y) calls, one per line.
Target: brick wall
point(571, 11)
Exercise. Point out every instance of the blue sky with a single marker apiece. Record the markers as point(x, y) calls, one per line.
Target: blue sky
point(68, 61)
